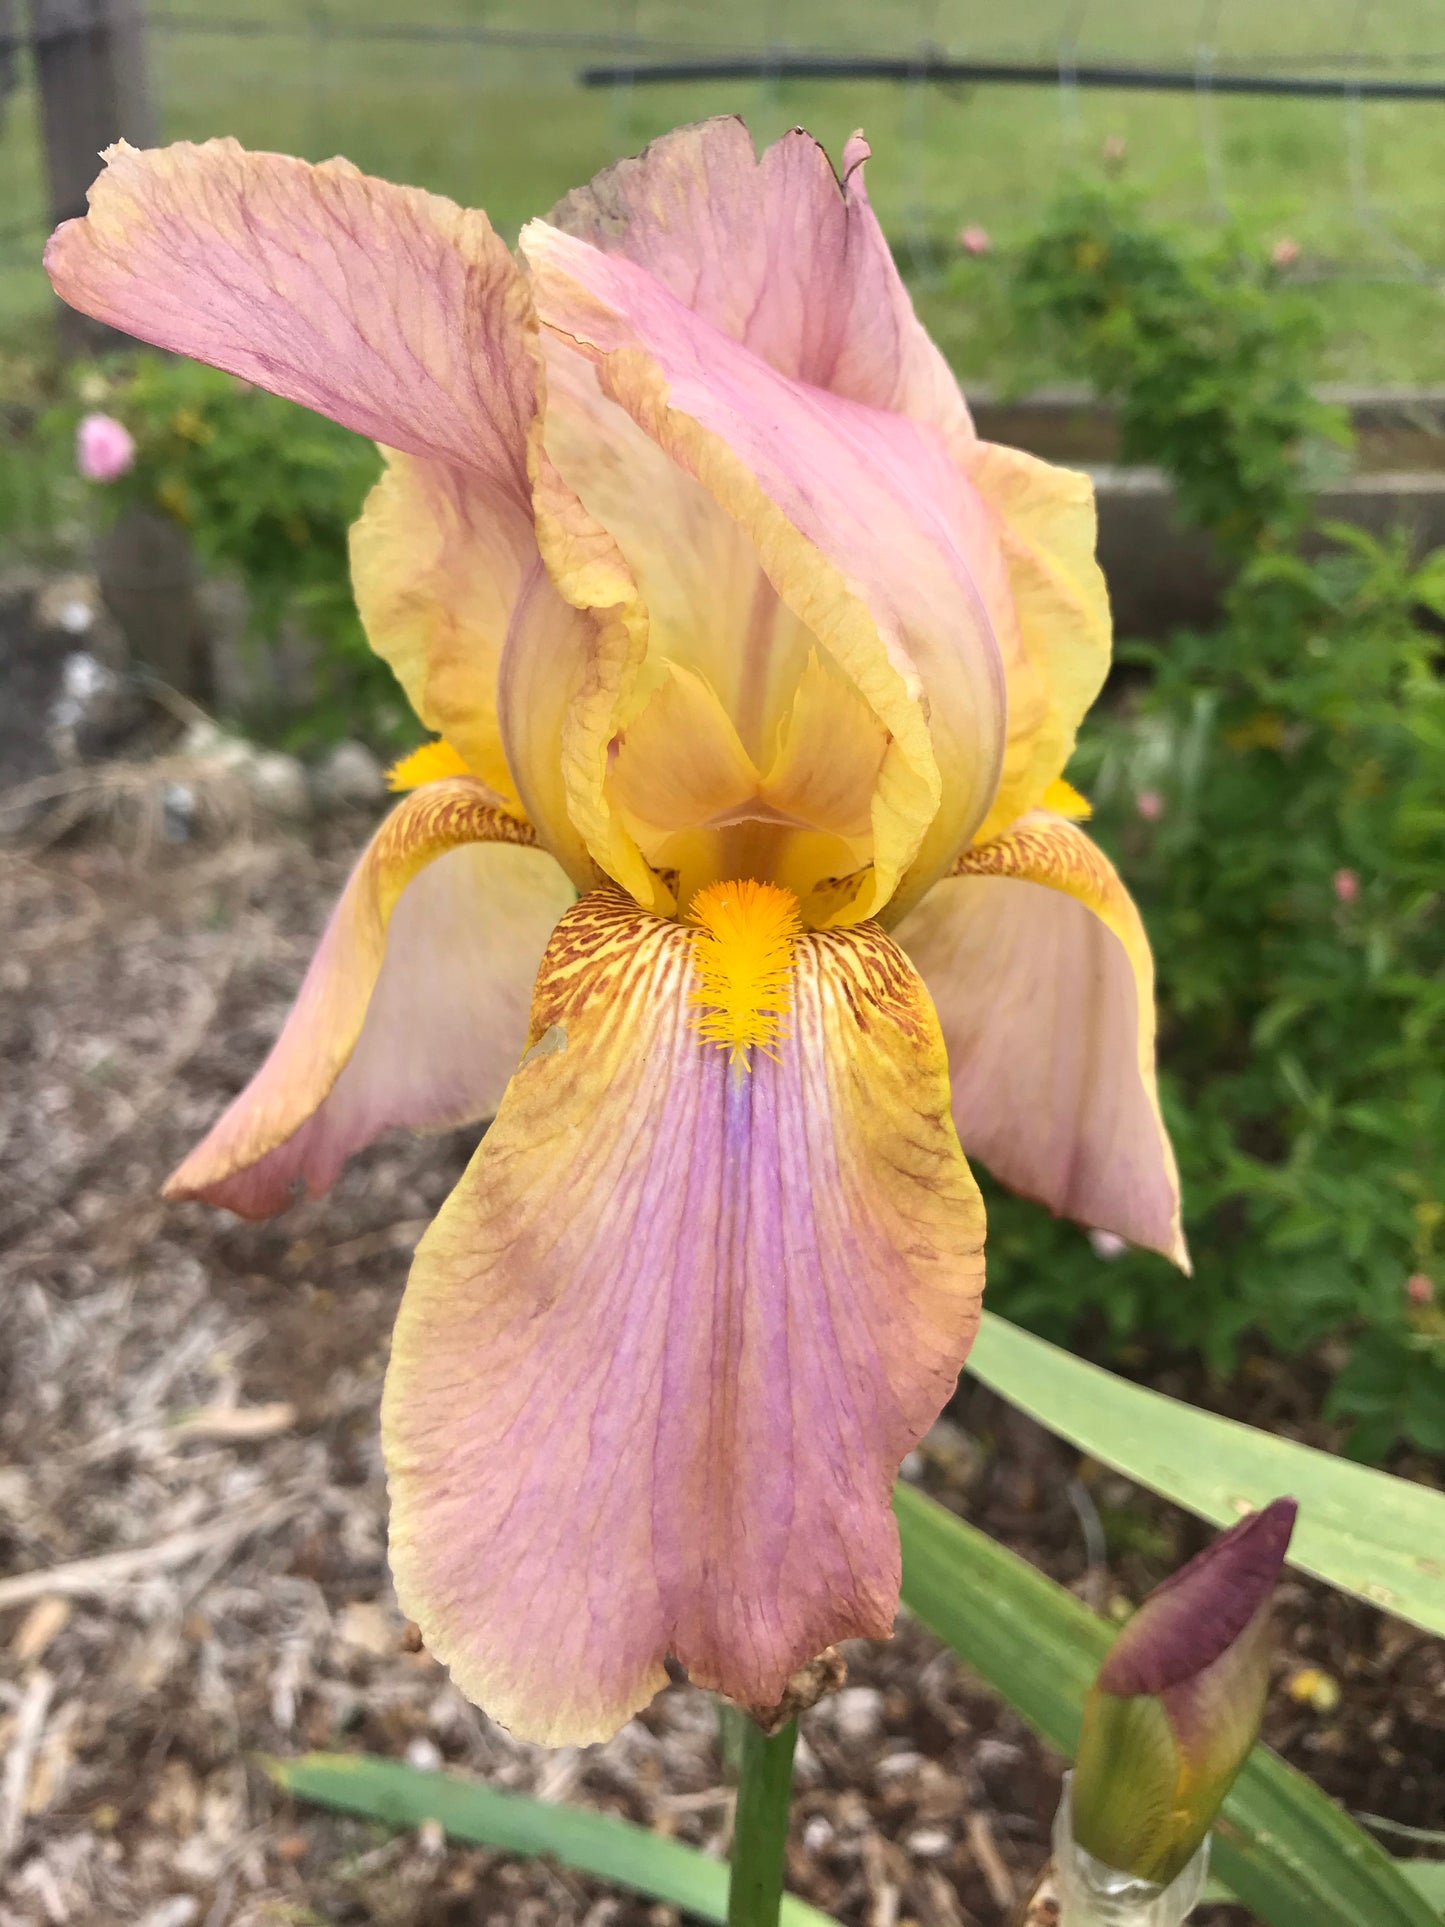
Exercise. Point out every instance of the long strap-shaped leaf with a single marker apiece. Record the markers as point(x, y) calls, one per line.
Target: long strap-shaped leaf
point(1365, 1532)
point(595, 1843)
point(1288, 1852)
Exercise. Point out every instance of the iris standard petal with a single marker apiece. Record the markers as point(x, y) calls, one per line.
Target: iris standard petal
point(437, 567)
point(777, 253)
point(676, 584)
point(1039, 966)
point(392, 310)
point(665, 1346)
point(780, 256)
point(1056, 652)
point(679, 762)
point(558, 691)
point(710, 607)
point(414, 1009)
point(864, 527)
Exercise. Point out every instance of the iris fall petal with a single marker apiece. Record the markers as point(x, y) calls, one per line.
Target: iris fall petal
point(665, 1346)
point(1040, 969)
point(414, 1009)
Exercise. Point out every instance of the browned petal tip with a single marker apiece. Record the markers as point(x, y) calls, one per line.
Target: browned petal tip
point(828, 1673)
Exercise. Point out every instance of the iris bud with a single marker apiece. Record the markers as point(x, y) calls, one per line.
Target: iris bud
point(1177, 1704)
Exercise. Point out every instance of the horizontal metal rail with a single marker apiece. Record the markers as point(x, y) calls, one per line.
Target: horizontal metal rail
point(1007, 73)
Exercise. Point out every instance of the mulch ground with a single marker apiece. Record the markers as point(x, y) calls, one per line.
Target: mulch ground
point(192, 1509)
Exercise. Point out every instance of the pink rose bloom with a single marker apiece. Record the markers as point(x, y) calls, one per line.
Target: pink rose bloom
point(1285, 252)
point(1347, 885)
point(104, 448)
point(1420, 1289)
point(974, 240)
point(1150, 805)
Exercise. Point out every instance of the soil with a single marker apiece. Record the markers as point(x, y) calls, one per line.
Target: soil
point(192, 1510)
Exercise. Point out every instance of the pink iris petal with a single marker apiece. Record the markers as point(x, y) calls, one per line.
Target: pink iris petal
point(778, 255)
point(414, 1008)
point(663, 1350)
point(392, 310)
point(1039, 966)
point(400, 315)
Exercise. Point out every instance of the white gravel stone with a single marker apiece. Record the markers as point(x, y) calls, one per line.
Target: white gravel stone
point(929, 1843)
point(278, 784)
point(179, 1911)
point(350, 777)
point(857, 1712)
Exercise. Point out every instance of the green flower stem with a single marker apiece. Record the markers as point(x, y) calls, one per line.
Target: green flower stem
point(732, 1730)
point(765, 1788)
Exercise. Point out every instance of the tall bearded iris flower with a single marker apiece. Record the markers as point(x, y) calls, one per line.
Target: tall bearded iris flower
point(755, 673)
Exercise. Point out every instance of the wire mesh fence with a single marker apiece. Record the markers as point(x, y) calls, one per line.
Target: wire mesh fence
point(1319, 124)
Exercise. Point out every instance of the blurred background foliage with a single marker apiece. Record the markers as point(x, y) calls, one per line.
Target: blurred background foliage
point(1274, 793)
point(1272, 790)
point(267, 493)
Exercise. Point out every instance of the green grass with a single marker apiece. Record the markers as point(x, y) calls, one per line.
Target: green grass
point(508, 128)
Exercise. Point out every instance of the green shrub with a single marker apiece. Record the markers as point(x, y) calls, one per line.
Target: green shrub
point(1288, 858)
point(1209, 359)
point(267, 491)
point(41, 507)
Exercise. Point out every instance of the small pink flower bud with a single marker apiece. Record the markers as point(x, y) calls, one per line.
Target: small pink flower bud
point(1150, 805)
point(974, 240)
point(1176, 1707)
point(104, 448)
point(1420, 1288)
point(1108, 1244)
point(1347, 885)
point(1285, 252)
